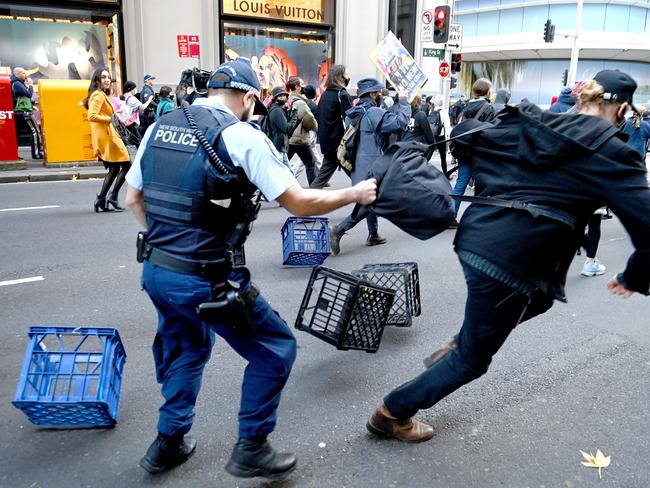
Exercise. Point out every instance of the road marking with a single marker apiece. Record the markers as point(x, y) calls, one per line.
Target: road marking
point(21, 280)
point(28, 208)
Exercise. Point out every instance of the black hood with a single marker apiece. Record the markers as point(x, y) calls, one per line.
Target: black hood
point(537, 137)
point(566, 97)
point(502, 96)
point(546, 136)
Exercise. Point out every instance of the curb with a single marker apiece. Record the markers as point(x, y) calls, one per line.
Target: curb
point(50, 177)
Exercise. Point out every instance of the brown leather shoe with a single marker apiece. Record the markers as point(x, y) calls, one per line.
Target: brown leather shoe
point(440, 354)
point(374, 239)
point(383, 423)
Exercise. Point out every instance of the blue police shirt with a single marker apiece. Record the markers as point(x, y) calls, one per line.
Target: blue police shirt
point(249, 148)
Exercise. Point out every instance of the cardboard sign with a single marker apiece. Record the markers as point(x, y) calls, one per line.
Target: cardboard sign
point(398, 66)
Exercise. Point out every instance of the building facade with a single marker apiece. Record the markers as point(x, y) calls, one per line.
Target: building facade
point(503, 41)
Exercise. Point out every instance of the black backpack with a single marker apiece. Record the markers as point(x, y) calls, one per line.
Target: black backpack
point(435, 122)
point(265, 123)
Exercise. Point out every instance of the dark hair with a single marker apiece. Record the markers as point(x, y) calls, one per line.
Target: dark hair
point(310, 91)
point(293, 82)
point(129, 85)
point(165, 91)
point(335, 73)
point(95, 84)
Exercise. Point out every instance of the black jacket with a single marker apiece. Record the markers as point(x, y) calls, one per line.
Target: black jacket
point(418, 129)
point(570, 162)
point(279, 129)
point(474, 106)
point(333, 104)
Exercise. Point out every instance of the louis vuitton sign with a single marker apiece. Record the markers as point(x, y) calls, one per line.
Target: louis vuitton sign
point(306, 11)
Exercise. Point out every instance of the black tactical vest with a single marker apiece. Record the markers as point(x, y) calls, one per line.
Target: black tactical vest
point(191, 208)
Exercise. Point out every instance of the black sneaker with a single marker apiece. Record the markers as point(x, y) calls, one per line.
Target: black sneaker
point(251, 458)
point(166, 452)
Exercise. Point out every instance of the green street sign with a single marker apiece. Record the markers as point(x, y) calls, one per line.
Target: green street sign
point(428, 52)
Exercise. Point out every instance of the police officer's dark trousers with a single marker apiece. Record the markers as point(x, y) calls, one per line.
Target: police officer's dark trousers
point(183, 345)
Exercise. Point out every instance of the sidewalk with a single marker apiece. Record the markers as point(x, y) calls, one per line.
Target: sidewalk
point(36, 171)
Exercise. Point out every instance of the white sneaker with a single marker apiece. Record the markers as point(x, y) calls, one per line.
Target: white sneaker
point(593, 268)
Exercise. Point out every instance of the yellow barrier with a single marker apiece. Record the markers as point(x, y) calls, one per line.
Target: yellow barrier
point(64, 120)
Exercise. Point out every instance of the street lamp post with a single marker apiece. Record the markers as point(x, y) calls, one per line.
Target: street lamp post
point(575, 51)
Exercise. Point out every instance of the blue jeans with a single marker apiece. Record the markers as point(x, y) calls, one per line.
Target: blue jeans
point(492, 311)
point(464, 175)
point(364, 213)
point(183, 345)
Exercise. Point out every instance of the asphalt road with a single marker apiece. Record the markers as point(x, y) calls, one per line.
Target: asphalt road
point(576, 378)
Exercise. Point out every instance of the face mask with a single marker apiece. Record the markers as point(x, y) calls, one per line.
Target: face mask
point(346, 81)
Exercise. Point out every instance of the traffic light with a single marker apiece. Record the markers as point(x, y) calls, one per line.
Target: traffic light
point(565, 77)
point(455, 63)
point(453, 82)
point(441, 20)
point(549, 31)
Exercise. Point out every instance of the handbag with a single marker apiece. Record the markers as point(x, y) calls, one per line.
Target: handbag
point(124, 133)
point(23, 104)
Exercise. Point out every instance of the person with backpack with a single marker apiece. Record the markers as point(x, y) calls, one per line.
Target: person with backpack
point(440, 126)
point(305, 122)
point(457, 109)
point(130, 112)
point(22, 91)
point(374, 125)
point(418, 128)
point(333, 104)
point(478, 108)
point(275, 124)
point(310, 92)
point(548, 172)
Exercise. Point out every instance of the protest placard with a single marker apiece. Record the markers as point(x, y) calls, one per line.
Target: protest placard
point(398, 66)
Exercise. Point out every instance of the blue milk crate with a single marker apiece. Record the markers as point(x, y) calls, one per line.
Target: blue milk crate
point(305, 241)
point(71, 376)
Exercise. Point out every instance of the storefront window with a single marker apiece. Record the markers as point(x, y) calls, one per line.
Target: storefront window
point(52, 43)
point(277, 53)
point(401, 21)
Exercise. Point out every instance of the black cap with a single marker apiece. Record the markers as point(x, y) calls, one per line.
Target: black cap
point(619, 87)
point(241, 77)
point(128, 86)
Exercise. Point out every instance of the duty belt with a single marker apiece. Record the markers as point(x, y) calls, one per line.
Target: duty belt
point(218, 268)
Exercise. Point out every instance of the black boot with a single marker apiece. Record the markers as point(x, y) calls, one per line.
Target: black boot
point(165, 452)
point(113, 201)
point(335, 238)
point(252, 458)
point(374, 239)
point(100, 204)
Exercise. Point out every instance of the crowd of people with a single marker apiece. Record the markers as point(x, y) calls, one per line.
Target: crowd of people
point(544, 180)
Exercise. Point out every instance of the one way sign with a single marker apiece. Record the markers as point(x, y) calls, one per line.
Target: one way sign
point(455, 37)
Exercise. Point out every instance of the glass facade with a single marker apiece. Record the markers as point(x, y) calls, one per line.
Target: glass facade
point(60, 43)
point(538, 81)
point(595, 17)
point(295, 38)
point(277, 53)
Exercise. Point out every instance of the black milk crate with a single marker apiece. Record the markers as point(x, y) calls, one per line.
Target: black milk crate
point(404, 279)
point(238, 256)
point(344, 310)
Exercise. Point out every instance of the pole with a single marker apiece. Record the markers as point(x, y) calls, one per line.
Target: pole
point(446, 80)
point(575, 51)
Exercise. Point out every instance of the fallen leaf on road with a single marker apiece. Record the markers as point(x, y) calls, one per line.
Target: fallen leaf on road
point(74, 177)
point(598, 461)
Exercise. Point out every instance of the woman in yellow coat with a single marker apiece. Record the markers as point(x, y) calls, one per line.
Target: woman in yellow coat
point(107, 143)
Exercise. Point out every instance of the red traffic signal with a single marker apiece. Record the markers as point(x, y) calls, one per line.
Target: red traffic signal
point(441, 24)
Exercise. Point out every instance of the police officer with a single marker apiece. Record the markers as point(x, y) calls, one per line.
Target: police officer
point(195, 206)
